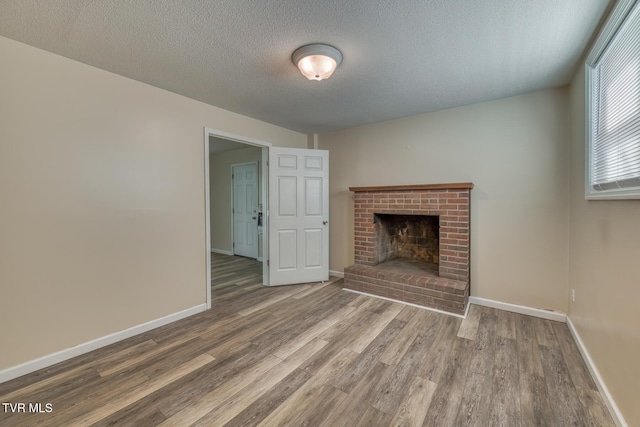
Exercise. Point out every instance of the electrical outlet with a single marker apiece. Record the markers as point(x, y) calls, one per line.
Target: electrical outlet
point(573, 295)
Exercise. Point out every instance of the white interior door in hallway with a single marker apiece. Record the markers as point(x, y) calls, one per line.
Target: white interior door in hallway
point(245, 209)
point(298, 215)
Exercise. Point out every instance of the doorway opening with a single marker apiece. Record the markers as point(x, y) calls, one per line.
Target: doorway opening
point(231, 265)
point(246, 211)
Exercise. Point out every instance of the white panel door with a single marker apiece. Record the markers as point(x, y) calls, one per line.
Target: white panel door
point(298, 215)
point(245, 210)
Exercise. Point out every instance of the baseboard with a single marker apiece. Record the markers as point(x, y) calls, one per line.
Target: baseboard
point(336, 273)
point(604, 391)
point(221, 251)
point(61, 356)
point(462, 316)
point(520, 309)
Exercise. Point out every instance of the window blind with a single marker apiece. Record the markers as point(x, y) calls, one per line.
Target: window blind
point(615, 109)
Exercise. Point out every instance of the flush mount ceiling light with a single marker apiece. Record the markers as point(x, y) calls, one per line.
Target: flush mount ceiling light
point(317, 61)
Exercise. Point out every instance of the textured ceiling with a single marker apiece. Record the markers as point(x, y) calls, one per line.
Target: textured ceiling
point(401, 58)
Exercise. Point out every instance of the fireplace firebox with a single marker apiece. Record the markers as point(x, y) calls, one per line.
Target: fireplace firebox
point(411, 237)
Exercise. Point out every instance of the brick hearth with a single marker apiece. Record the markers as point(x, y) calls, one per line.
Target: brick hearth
point(449, 290)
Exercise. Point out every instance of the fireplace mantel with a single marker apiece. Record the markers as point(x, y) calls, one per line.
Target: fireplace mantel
point(449, 186)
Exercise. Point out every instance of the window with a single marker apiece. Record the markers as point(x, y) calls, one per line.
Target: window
point(613, 107)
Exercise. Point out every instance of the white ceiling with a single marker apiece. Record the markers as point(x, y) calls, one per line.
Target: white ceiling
point(401, 58)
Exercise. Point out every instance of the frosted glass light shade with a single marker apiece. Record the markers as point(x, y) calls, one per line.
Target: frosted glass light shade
point(317, 61)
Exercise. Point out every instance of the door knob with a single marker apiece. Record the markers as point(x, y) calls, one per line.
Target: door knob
point(325, 222)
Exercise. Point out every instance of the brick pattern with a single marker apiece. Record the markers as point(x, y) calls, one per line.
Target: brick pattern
point(449, 291)
point(452, 205)
point(429, 291)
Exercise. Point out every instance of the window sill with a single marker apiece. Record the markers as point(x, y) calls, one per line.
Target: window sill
point(617, 194)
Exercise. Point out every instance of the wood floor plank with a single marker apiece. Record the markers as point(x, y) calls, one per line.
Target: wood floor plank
point(359, 400)
point(376, 305)
point(545, 333)
point(316, 287)
point(272, 399)
point(133, 416)
point(329, 296)
point(200, 407)
point(189, 327)
point(367, 358)
point(182, 392)
point(231, 290)
point(320, 356)
point(153, 385)
point(506, 324)
point(116, 394)
point(246, 298)
point(446, 400)
point(395, 385)
point(38, 389)
point(596, 412)
point(71, 403)
point(294, 289)
point(407, 313)
point(373, 417)
point(230, 406)
point(160, 364)
point(415, 404)
point(220, 329)
point(288, 330)
point(315, 408)
point(401, 343)
point(353, 323)
point(534, 400)
point(475, 401)
point(563, 397)
point(105, 366)
point(484, 346)
point(438, 354)
point(359, 300)
point(309, 394)
point(505, 389)
point(364, 339)
point(299, 341)
point(469, 326)
point(338, 337)
point(576, 365)
point(527, 344)
point(223, 341)
point(535, 408)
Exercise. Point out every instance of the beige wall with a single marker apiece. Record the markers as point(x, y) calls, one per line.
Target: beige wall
point(515, 152)
point(604, 255)
point(101, 201)
point(220, 187)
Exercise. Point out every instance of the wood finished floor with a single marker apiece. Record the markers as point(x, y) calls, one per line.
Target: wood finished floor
point(320, 356)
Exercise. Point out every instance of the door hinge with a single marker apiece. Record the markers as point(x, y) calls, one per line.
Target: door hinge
point(233, 245)
point(267, 263)
point(267, 162)
point(232, 176)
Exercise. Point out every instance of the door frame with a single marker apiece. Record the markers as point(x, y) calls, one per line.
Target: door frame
point(207, 205)
point(233, 237)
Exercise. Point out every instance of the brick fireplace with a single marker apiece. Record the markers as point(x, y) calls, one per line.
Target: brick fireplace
point(412, 244)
